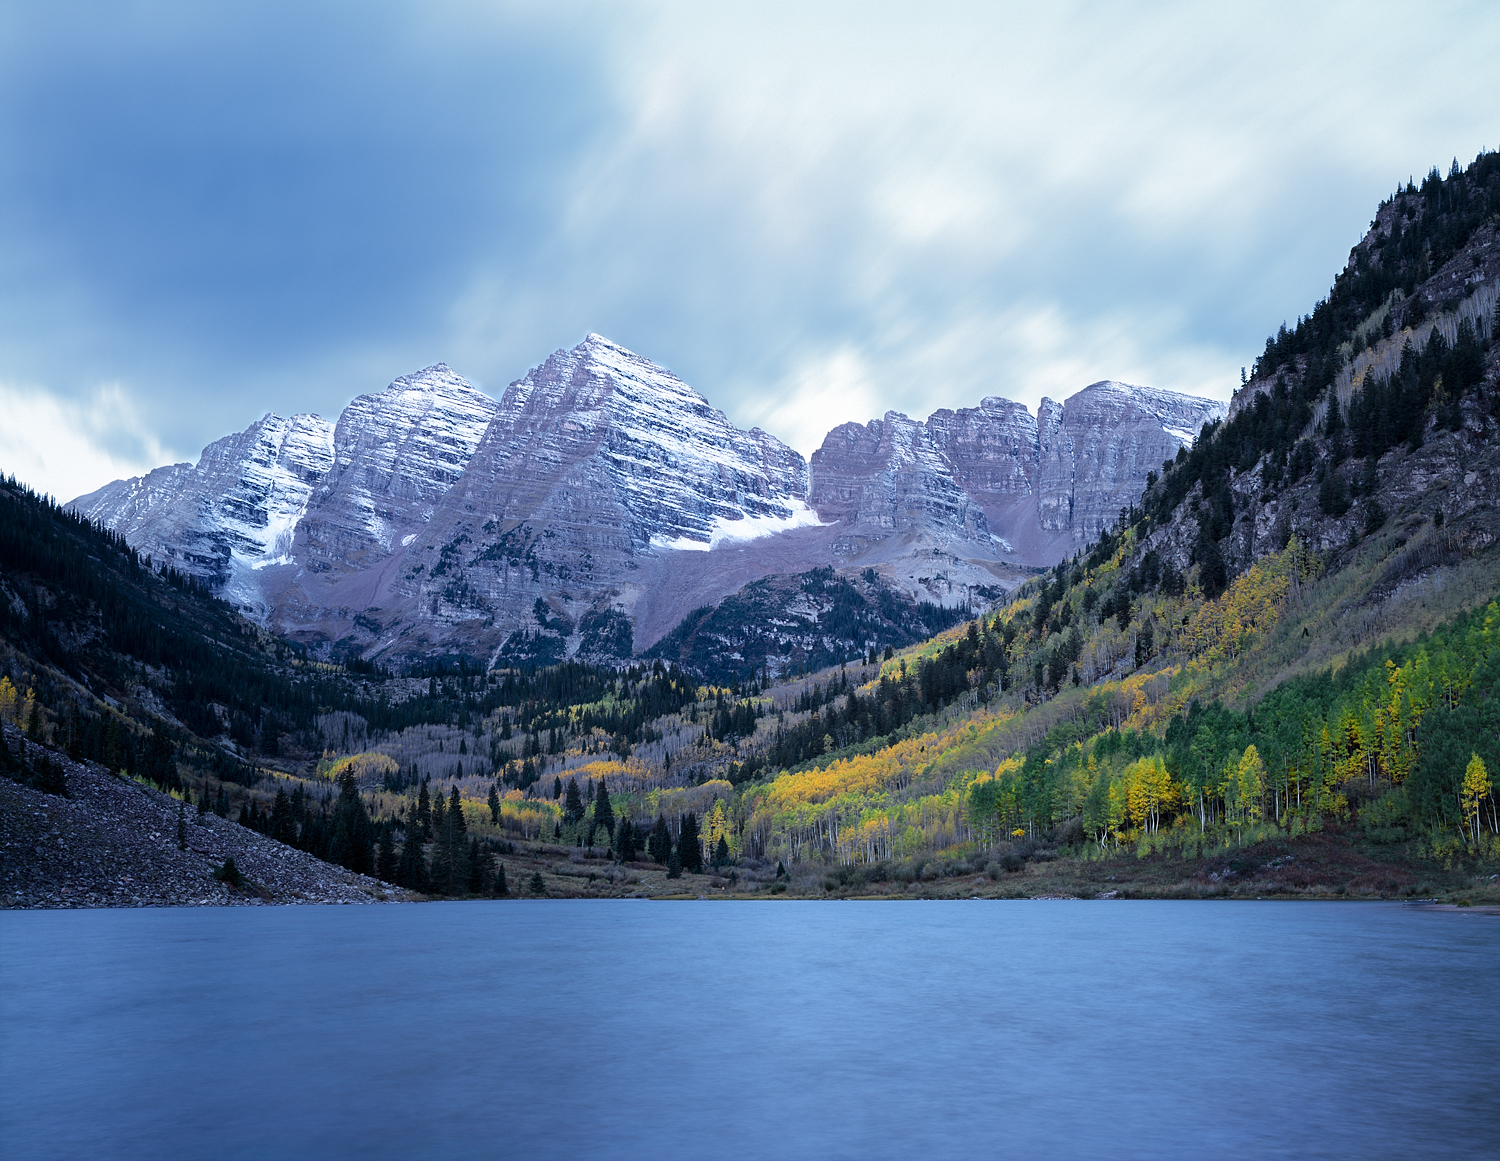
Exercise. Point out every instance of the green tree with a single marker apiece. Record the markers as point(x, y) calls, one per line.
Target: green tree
point(481, 867)
point(353, 843)
point(411, 871)
point(494, 803)
point(424, 812)
point(449, 872)
point(659, 842)
point(572, 804)
point(689, 849)
point(604, 813)
point(625, 840)
point(538, 885)
point(283, 824)
point(385, 859)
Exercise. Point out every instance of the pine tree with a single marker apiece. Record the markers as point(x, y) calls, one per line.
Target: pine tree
point(385, 861)
point(352, 845)
point(424, 812)
point(494, 802)
point(557, 788)
point(411, 871)
point(689, 850)
point(283, 824)
point(721, 853)
point(502, 888)
point(537, 885)
point(449, 873)
point(625, 840)
point(674, 864)
point(481, 867)
point(659, 842)
point(604, 813)
point(572, 804)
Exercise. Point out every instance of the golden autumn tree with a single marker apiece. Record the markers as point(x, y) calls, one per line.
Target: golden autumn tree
point(1475, 789)
point(1251, 777)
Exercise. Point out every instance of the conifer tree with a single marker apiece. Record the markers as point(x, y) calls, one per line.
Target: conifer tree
point(494, 803)
point(659, 842)
point(352, 843)
point(689, 850)
point(721, 853)
point(424, 812)
point(449, 873)
point(283, 825)
point(557, 788)
point(481, 867)
point(573, 803)
point(411, 871)
point(502, 888)
point(538, 886)
point(604, 813)
point(625, 840)
point(674, 864)
point(385, 860)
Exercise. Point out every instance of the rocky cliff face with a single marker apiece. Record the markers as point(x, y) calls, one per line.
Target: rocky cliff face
point(397, 453)
point(597, 467)
point(230, 516)
point(602, 498)
point(1038, 488)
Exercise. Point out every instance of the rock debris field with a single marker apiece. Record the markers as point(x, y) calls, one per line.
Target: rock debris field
point(114, 843)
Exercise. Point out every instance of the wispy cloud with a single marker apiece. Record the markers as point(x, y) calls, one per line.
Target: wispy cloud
point(67, 447)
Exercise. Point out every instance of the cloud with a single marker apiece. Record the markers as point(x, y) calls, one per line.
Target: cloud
point(810, 213)
point(826, 390)
point(66, 448)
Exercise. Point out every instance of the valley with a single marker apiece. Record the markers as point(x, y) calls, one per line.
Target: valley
point(594, 634)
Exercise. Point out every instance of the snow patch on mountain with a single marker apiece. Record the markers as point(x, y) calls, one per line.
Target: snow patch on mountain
point(742, 530)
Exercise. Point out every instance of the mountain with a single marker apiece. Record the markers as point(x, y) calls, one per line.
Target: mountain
point(1041, 486)
point(602, 498)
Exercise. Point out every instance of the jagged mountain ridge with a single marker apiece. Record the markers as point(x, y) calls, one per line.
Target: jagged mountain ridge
point(601, 498)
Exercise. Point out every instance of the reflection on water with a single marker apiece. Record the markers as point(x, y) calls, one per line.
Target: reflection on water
point(652, 1031)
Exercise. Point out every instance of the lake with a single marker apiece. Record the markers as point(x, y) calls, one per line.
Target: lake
point(655, 1031)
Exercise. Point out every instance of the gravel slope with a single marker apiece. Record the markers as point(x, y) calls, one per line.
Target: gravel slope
point(113, 843)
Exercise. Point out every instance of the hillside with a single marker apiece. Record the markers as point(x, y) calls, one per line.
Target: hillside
point(1275, 673)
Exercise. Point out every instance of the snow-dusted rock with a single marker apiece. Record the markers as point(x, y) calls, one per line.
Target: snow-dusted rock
point(230, 515)
point(602, 498)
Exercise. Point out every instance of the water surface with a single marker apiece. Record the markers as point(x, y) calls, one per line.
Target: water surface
point(625, 1029)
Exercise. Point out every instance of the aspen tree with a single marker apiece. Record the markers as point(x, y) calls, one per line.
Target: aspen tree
point(1475, 789)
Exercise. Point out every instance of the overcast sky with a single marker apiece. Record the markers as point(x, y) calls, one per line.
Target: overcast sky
point(811, 212)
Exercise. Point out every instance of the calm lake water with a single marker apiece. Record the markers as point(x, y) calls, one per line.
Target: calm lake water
point(653, 1031)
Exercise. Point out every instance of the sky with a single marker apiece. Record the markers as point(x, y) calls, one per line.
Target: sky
point(812, 213)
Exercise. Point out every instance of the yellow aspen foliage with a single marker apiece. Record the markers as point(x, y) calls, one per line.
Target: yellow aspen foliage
point(716, 826)
point(1475, 789)
point(7, 700)
point(1251, 778)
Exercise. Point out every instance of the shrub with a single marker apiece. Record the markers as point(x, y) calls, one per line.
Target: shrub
point(229, 874)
